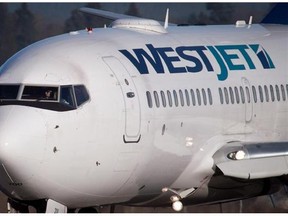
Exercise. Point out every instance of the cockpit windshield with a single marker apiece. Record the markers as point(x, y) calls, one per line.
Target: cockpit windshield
point(57, 98)
point(40, 93)
point(67, 96)
point(9, 92)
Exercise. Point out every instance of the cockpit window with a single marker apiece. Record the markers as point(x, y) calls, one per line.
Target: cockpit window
point(81, 94)
point(56, 98)
point(67, 96)
point(9, 92)
point(40, 93)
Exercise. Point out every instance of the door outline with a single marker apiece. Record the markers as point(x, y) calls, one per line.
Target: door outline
point(130, 97)
point(248, 106)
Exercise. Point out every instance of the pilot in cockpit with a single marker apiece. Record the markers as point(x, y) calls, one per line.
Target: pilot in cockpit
point(48, 95)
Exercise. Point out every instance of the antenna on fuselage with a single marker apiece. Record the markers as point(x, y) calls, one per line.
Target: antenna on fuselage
point(250, 20)
point(166, 19)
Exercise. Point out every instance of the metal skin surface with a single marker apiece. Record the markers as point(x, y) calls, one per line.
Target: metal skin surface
point(115, 149)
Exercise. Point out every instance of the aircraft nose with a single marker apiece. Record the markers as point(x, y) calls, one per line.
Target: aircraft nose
point(22, 142)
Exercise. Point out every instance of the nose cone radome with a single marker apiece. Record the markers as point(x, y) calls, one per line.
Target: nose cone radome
point(22, 141)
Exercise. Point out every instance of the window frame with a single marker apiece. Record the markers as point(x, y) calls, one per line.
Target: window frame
point(204, 96)
point(226, 95)
point(149, 99)
point(283, 92)
point(181, 98)
point(163, 98)
point(73, 95)
point(242, 94)
point(231, 95)
point(254, 92)
point(198, 95)
point(156, 99)
point(15, 96)
point(266, 91)
point(272, 93)
point(193, 97)
point(41, 93)
point(86, 92)
point(170, 101)
point(210, 98)
point(187, 97)
point(277, 93)
point(221, 95)
point(175, 96)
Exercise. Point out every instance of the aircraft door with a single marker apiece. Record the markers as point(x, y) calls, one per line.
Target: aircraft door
point(131, 100)
point(248, 100)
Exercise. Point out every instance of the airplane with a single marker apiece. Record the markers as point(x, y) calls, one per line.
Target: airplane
point(145, 114)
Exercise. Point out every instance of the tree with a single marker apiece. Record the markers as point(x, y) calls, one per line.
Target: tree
point(132, 10)
point(201, 19)
point(3, 16)
point(7, 34)
point(25, 26)
point(220, 13)
point(80, 20)
point(75, 22)
point(95, 21)
point(3, 22)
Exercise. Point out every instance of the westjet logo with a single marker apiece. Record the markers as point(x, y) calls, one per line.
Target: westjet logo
point(194, 59)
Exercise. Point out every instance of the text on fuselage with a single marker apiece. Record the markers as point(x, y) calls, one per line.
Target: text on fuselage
point(197, 58)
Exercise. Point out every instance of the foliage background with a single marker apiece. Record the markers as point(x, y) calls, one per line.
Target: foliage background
point(24, 23)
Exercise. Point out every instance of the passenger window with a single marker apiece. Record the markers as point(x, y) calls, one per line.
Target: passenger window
point(175, 98)
point(266, 93)
point(248, 94)
point(198, 97)
point(283, 93)
point(231, 95)
point(169, 98)
point(237, 95)
point(193, 97)
point(149, 99)
point(261, 93)
point(181, 97)
point(226, 95)
point(81, 94)
point(67, 96)
point(210, 97)
point(156, 97)
point(163, 98)
point(254, 94)
point(277, 92)
point(187, 97)
point(242, 94)
point(204, 97)
point(221, 95)
point(272, 93)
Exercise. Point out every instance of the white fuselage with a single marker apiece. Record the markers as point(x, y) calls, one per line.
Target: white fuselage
point(115, 148)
